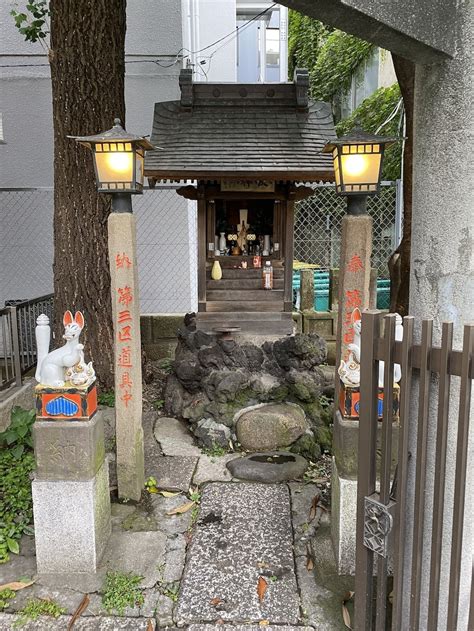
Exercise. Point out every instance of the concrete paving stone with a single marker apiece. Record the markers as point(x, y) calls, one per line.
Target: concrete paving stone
point(213, 469)
point(170, 524)
point(66, 598)
point(175, 473)
point(139, 521)
point(322, 589)
point(244, 532)
point(84, 583)
point(102, 623)
point(18, 566)
point(27, 546)
point(148, 609)
point(175, 557)
point(139, 552)
point(302, 497)
point(164, 611)
point(246, 627)
point(174, 438)
point(119, 512)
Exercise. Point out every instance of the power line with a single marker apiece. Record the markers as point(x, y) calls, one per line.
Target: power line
point(155, 61)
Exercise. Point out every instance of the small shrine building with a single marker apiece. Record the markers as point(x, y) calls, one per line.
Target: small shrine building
point(246, 153)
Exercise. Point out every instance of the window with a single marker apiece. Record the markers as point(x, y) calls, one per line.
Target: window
point(272, 46)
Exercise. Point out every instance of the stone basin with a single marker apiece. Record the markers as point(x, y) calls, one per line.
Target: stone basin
point(268, 467)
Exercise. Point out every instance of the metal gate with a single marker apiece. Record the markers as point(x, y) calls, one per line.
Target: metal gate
point(382, 522)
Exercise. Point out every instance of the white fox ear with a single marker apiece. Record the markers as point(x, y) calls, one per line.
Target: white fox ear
point(356, 315)
point(79, 319)
point(67, 318)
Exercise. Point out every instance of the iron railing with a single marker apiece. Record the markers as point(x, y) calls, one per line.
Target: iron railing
point(17, 341)
point(385, 518)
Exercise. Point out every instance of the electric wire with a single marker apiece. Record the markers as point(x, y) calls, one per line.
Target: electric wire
point(177, 55)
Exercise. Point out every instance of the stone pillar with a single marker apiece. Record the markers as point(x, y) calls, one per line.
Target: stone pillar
point(442, 263)
point(354, 276)
point(354, 282)
point(373, 288)
point(71, 502)
point(307, 289)
point(128, 366)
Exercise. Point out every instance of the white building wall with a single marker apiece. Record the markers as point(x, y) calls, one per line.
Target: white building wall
point(162, 35)
point(166, 254)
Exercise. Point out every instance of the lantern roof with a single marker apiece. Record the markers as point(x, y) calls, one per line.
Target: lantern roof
point(116, 134)
point(357, 136)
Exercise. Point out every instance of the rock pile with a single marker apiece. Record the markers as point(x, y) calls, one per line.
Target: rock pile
point(212, 381)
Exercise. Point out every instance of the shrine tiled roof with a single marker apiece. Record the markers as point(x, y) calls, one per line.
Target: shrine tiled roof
point(269, 131)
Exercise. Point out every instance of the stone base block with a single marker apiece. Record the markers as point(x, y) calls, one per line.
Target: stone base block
point(69, 450)
point(343, 521)
point(72, 523)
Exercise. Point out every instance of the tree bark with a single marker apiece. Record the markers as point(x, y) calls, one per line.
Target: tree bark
point(87, 61)
point(399, 264)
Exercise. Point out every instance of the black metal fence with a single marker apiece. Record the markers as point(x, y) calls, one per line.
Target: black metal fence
point(18, 343)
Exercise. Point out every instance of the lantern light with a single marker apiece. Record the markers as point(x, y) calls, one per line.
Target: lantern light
point(118, 159)
point(358, 159)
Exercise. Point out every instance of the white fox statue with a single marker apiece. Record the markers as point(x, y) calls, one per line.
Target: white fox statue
point(64, 364)
point(349, 370)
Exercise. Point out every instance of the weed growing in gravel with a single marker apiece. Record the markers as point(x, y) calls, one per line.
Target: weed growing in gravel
point(5, 596)
point(120, 591)
point(38, 607)
point(171, 590)
point(215, 451)
point(158, 404)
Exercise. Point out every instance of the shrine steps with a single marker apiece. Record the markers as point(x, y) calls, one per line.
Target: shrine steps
point(242, 283)
point(242, 274)
point(239, 295)
point(250, 322)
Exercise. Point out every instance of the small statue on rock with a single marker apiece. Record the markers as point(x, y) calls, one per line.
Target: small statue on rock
point(64, 365)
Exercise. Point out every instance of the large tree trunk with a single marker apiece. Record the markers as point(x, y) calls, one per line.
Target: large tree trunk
point(399, 263)
point(87, 71)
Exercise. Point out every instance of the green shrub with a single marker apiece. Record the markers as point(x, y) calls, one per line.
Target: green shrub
point(17, 437)
point(106, 398)
point(16, 464)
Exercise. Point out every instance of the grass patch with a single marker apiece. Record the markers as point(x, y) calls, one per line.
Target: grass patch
point(6, 595)
point(120, 591)
point(171, 590)
point(38, 607)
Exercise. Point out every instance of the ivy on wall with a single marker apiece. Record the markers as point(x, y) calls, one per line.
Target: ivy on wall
point(371, 113)
point(331, 57)
point(306, 36)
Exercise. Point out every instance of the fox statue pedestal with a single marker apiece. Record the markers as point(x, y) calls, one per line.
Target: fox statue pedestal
point(71, 501)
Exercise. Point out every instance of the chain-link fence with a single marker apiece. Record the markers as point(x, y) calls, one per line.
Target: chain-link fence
point(166, 247)
point(318, 226)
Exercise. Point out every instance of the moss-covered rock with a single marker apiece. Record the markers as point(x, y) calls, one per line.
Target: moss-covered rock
point(307, 446)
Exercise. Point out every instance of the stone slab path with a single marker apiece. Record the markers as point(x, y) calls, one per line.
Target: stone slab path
point(243, 535)
point(201, 567)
